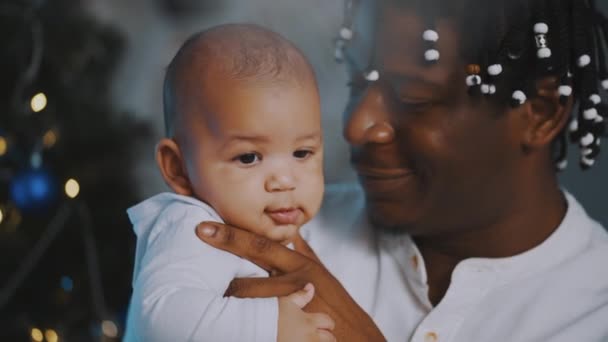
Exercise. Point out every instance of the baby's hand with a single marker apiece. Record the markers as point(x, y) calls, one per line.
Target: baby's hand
point(295, 325)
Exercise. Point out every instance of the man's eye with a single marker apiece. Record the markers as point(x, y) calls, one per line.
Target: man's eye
point(414, 106)
point(302, 154)
point(248, 158)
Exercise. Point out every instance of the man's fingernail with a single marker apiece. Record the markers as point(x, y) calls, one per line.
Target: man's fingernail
point(207, 230)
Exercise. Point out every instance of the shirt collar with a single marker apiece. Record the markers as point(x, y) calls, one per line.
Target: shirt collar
point(570, 238)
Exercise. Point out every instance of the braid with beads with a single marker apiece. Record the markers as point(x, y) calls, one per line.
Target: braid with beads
point(510, 44)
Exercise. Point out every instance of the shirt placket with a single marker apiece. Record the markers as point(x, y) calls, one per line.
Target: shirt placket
point(470, 282)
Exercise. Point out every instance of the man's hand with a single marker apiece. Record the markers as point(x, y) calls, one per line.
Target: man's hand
point(291, 271)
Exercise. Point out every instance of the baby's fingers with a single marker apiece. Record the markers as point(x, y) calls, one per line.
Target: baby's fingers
point(322, 321)
point(325, 336)
point(303, 297)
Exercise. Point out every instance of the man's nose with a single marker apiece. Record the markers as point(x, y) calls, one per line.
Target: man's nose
point(280, 178)
point(368, 121)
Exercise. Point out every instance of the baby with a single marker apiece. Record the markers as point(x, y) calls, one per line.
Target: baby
point(244, 147)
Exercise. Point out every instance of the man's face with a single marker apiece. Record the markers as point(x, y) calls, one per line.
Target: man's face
point(431, 159)
point(254, 153)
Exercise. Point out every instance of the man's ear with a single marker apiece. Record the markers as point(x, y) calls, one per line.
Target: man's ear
point(545, 115)
point(170, 161)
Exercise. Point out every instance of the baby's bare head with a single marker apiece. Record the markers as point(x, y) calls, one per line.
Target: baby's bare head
point(242, 53)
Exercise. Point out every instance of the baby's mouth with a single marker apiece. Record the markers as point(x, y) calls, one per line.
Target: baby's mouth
point(283, 216)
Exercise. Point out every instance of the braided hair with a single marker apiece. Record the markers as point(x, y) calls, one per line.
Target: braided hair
point(511, 44)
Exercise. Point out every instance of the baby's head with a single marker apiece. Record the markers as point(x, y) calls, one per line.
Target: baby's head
point(243, 125)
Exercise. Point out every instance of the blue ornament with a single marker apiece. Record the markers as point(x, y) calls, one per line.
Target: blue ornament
point(33, 190)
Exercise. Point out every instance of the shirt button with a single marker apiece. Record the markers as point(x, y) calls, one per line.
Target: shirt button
point(431, 337)
point(415, 262)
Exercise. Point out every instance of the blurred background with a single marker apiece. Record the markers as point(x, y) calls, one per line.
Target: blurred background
point(80, 90)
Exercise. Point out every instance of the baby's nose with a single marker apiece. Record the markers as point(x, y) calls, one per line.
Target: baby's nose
point(280, 180)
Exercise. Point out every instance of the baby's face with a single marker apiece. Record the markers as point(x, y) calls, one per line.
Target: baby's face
point(256, 155)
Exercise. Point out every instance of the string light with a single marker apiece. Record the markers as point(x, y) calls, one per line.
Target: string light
point(49, 139)
point(72, 188)
point(109, 329)
point(37, 335)
point(3, 146)
point(51, 335)
point(1, 216)
point(38, 102)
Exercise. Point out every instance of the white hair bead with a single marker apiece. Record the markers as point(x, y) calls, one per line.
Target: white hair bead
point(431, 55)
point(492, 89)
point(587, 161)
point(590, 114)
point(583, 61)
point(372, 75)
point(473, 80)
point(573, 125)
point(565, 90)
point(586, 151)
point(599, 119)
point(543, 52)
point(541, 28)
point(570, 74)
point(562, 164)
point(339, 50)
point(430, 36)
point(605, 84)
point(346, 33)
point(519, 96)
point(339, 54)
point(595, 98)
point(485, 88)
point(495, 69)
point(587, 139)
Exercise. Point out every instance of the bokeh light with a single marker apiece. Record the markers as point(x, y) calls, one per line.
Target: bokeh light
point(67, 284)
point(109, 329)
point(3, 146)
point(37, 335)
point(72, 188)
point(38, 102)
point(49, 139)
point(51, 335)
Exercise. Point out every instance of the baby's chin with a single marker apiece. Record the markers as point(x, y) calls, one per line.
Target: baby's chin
point(284, 234)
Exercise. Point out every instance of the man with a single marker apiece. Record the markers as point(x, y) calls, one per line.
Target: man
point(458, 124)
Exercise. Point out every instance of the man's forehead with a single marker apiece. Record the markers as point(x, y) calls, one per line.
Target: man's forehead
point(395, 45)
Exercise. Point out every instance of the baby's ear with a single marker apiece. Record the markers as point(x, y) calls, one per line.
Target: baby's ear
point(171, 164)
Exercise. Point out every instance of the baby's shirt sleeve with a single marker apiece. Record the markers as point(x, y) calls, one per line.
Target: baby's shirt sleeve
point(178, 290)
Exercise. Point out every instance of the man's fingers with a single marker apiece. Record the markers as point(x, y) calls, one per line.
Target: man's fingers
point(263, 252)
point(302, 247)
point(263, 287)
point(302, 297)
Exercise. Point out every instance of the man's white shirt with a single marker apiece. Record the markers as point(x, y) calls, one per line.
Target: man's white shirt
point(557, 291)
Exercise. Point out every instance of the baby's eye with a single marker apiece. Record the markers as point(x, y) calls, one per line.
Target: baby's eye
point(302, 154)
point(248, 158)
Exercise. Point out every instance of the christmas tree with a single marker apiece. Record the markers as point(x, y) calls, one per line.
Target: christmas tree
point(66, 161)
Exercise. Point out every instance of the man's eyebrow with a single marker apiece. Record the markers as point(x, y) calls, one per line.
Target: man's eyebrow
point(399, 80)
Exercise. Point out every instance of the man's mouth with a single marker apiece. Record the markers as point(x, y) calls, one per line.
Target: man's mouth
point(382, 173)
point(283, 216)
